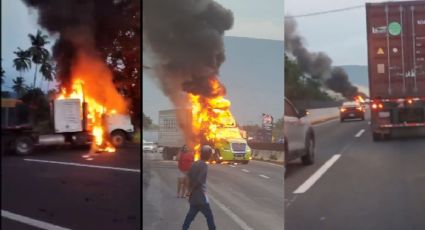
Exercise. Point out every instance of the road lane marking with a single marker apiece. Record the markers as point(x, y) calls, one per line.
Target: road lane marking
point(30, 221)
point(246, 170)
point(84, 165)
point(232, 166)
point(231, 214)
point(316, 176)
point(264, 176)
point(262, 162)
point(359, 133)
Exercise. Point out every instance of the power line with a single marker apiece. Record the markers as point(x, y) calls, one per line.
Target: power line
point(325, 12)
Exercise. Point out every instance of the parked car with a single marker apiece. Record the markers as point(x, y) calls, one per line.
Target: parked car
point(351, 110)
point(299, 139)
point(149, 146)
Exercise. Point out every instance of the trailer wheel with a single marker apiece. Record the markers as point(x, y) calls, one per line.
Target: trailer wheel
point(118, 138)
point(24, 145)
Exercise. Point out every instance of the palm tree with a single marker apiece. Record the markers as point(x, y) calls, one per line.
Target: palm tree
point(19, 86)
point(22, 62)
point(37, 50)
point(47, 70)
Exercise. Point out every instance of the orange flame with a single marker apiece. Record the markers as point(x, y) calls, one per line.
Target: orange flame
point(92, 84)
point(211, 117)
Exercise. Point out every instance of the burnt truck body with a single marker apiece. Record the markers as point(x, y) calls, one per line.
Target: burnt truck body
point(396, 67)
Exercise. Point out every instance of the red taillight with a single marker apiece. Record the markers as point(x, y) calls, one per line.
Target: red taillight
point(359, 108)
point(376, 106)
point(342, 109)
point(410, 101)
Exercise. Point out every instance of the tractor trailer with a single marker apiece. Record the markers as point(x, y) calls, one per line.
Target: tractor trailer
point(171, 139)
point(396, 67)
point(68, 118)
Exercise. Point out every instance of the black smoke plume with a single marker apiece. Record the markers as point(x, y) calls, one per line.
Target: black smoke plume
point(186, 38)
point(318, 65)
point(81, 26)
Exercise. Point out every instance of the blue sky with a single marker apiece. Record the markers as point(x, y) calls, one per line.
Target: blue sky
point(17, 21)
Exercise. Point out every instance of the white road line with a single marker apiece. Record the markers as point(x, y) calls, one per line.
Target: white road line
point(232, 166)
point(246, 170)
point(231, 214)
point(264, 176)
point(30, 221)
point(84, 165)
point(313, 178)
point(359, 133)
point(273, 164)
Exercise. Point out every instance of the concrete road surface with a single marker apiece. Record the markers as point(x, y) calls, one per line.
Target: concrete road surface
point(357, 183)
point(241, 196)
point(64, 189)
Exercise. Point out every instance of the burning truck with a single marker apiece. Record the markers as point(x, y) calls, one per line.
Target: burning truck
point(207, 121)
point(76, 120)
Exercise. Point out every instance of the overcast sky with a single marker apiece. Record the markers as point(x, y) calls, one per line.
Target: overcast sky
point(252, 19)
point(341, 35)
point(17, 21)
point(256, 19)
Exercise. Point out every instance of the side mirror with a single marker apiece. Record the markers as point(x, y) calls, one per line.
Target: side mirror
point(302, 113)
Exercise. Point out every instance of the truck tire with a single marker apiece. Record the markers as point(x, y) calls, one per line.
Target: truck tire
point(217, 156)
point(118, 138)
point(167, 154)
point(245, 162)
point(308, 158)
point(24, 145)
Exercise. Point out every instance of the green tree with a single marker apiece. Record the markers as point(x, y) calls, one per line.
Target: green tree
point(38, 103)
point(47, 70)
point(39, 54)
point(19, 86)
point(23, 60)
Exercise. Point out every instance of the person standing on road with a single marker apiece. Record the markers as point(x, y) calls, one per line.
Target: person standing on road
point(198, 199)
point(184, 162)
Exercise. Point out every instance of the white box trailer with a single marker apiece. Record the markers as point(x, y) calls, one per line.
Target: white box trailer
point(170, 136)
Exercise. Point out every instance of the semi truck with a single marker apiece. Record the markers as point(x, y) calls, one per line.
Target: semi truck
point(171, 139)
point(396, 67)
point(69, 121)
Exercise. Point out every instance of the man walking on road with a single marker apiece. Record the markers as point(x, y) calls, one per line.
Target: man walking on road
point(185, 161)
point(198, 199)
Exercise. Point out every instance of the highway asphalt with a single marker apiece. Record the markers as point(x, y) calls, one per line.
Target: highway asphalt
point(241, 196)
point(357, 183)
point(67, 190)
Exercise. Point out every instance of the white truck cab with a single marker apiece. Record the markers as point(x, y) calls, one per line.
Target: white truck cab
point(120, 128)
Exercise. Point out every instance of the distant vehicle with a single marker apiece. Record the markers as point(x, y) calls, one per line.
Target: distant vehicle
point(171, 138)
point(351, 110)
point(299, 138)
point(149, 146)
point(396, 61)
